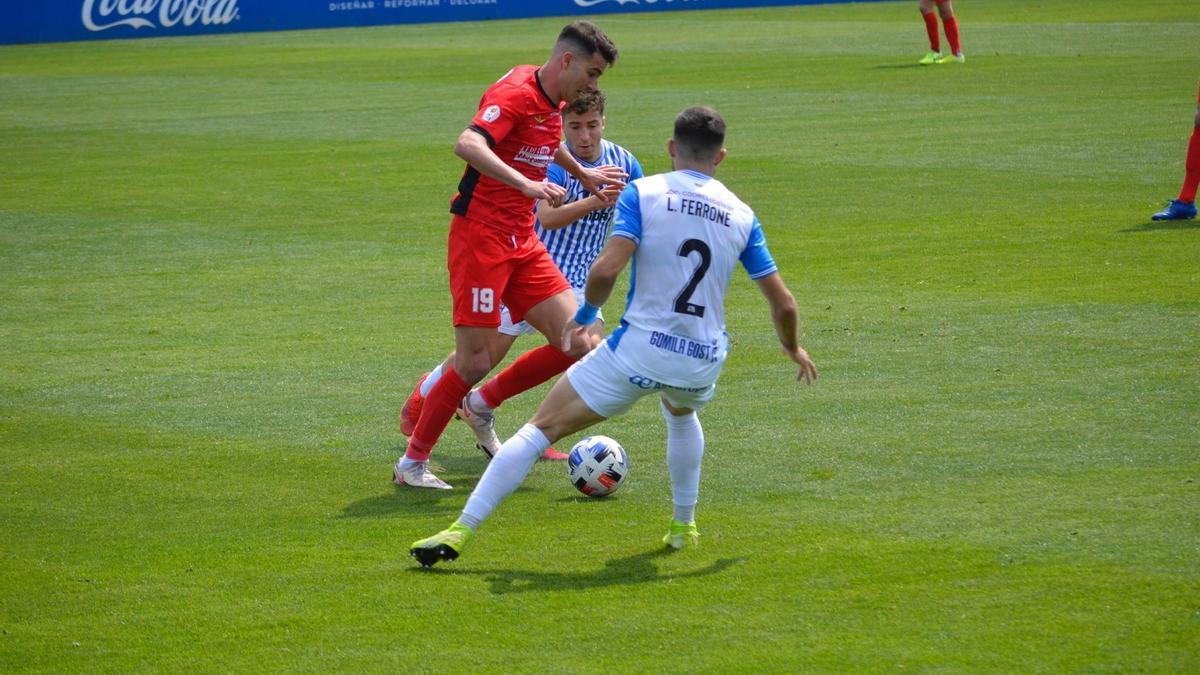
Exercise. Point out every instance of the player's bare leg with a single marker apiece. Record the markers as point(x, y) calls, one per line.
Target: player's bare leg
point(550, 316)
point(530, 370)
point(472, 361)
point(562, 413)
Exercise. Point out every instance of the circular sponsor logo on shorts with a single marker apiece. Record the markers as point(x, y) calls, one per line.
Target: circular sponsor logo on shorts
point(643, 382)
point(491, 114)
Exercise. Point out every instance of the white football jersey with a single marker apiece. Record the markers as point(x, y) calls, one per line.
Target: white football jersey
point(691, 232)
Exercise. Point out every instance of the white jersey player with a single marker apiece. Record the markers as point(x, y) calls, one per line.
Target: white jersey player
point(686, 232)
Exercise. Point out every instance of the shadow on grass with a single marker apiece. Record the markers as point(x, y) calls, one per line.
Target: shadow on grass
point(628, 571)
point(1153, 225)
point(462, 472)
point(402, 500)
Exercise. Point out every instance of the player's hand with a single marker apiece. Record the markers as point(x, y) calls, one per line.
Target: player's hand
point(570, 330)
point(808, 370)
point(603, 180)
point(609, 193)
point(552, 193)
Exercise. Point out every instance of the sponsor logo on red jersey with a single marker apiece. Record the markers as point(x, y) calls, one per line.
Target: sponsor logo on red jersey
point(540, 156)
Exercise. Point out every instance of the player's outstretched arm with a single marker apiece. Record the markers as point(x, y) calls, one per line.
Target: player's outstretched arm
point(473, 148)
point(785, 317)
point(609, 175)
point(601, 277)
point(555, 217)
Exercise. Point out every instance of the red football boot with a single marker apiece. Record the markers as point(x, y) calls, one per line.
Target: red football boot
point(411, 412)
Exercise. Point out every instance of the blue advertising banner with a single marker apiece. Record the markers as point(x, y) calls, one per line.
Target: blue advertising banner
point(64, 20)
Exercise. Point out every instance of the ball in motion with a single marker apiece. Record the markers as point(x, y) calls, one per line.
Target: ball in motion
point(597, 466)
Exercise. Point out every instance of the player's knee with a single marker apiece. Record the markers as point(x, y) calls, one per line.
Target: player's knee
point(1197, 120)
point(580, 347)
point(472, 368)
point(550, 428)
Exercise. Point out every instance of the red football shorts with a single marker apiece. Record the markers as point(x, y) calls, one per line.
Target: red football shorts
point(489, 267)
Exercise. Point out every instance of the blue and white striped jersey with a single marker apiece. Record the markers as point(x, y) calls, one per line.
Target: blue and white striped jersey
point(691, 232)
point(574, 248)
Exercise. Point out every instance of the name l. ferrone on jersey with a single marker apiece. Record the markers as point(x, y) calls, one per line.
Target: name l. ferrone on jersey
point(699, 207)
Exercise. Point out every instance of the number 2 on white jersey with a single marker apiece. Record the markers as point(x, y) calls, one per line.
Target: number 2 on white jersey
point(683, 304)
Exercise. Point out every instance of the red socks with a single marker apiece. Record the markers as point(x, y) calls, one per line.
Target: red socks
point(935, 44)
point(440, 405)
point(531, 369)
point(1192, 178)
point(951, 25)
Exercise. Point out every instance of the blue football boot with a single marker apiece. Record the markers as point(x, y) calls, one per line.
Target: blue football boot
point(1176, 210)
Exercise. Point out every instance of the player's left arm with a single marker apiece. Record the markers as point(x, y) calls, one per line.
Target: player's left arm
point(786, 318)
point(555, 217)
point(591, 178)
point(757, 260)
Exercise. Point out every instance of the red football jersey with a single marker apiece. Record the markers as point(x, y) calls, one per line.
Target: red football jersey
point(524, 128)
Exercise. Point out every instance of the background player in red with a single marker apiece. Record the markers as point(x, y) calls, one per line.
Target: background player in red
point(1184, 208)
point(935, 55)
point(494, 255)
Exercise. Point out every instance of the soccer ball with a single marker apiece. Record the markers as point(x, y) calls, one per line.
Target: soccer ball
point(597, 466)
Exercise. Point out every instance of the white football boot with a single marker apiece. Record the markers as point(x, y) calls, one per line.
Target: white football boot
point(483, 424)
point(417, 474)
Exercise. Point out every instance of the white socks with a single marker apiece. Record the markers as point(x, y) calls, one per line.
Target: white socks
point(510, 466)
point(432, 379)
point(505, 473)
point(685, 448)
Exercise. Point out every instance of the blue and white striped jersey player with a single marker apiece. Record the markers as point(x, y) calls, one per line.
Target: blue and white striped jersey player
point(573, 234)
point(685, 232)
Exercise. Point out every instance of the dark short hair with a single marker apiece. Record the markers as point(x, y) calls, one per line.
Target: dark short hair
point(586, 102)
point(700, 132)
point(585, 39)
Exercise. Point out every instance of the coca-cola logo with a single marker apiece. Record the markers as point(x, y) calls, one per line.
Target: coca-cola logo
point(101, 15)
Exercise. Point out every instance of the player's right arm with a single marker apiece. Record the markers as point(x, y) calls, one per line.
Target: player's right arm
point(473, 148)
point(786, 317)
point(621, 245)
point(600, 281)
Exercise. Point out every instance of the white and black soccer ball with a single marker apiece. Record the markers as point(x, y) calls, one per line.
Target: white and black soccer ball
point(597, 466)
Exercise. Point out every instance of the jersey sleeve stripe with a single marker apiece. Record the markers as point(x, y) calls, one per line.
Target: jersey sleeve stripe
point(483, 132)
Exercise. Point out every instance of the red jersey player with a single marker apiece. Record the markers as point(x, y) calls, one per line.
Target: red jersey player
point(494, 254)
point(1184, 208)
point(935, 55)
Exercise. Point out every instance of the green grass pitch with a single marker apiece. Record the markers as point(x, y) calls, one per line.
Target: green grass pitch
point(222, 268)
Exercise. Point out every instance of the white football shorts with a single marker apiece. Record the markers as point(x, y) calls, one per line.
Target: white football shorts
point(518, 329)
point(610, 388)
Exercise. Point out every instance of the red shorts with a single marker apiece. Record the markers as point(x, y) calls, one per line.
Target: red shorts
point(489, 266)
